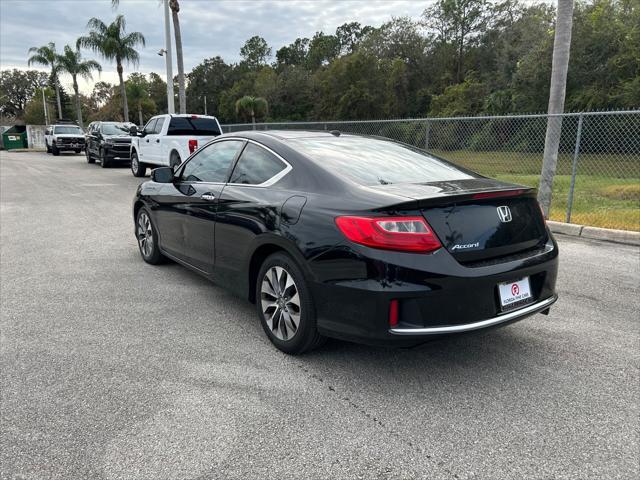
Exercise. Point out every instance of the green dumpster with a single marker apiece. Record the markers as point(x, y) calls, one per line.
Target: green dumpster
point(15, 137)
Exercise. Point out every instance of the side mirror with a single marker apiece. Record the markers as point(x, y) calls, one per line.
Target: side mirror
point(133, 131)
point(162, 175)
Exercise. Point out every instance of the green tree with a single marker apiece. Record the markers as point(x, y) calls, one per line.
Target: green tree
point(207, 81)
point(48, 57)
point(17, 88)
point(255, 52)
point(322, 50)
point(349, 36)
point(251, 107)
point(293, 54)
point(158, 92)
point(71, 62)
point(113, 43)
point(456, 22)
point(138, 93)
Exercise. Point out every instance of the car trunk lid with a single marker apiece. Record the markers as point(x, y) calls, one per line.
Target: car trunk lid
point(477, 219)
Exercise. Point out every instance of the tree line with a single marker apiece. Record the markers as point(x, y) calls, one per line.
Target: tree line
point(461, 57)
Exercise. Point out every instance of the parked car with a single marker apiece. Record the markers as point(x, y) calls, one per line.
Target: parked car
point(108, 142)
point(353, 237)
point(63, 137)
point(166, 140)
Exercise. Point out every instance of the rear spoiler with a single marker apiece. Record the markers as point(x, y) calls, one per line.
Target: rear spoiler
point(469, 196)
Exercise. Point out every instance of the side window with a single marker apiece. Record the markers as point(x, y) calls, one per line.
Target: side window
point(256, 165)
point(159, 125)
point(211, 164)
point(149, 127)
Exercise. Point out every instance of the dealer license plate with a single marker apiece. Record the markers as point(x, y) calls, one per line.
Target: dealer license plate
point(512, 293)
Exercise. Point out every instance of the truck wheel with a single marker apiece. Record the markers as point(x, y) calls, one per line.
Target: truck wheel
point(174, 160)
point(90, 159)
point(55, 150)
point(138, 168)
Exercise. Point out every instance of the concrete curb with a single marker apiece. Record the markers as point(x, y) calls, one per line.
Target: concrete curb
point(596, 233)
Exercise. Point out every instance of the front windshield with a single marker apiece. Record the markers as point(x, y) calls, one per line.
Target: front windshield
point(115, 128)
point(71, 130)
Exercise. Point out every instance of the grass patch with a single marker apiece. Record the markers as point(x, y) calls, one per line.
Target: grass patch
point(592, 202)
point(530, 163)
point(621, 192)
point(607, 190)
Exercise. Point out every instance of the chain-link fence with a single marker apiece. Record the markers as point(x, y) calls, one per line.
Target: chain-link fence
point(597, 179)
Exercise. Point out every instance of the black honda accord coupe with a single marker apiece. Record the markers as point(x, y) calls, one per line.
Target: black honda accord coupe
point(352, 237)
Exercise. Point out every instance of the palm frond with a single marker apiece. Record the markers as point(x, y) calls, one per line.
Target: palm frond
point(97, 25)
point(133, 39)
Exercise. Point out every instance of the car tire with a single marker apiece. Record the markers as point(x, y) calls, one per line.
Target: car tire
point(147, 238)
point(174, 160)
point(55, 150)
point(77, 151)
point(285, 305)
point(46, 144)
point(138, 168)
point(90, 159)
point(104, 163)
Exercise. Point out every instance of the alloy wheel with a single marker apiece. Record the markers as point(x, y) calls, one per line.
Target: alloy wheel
point(280, 303)
point(145, 234)
point(134, 164)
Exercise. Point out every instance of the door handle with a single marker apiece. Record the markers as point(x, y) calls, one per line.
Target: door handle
point(208, 196)
point(158, 141)
point(147, 140)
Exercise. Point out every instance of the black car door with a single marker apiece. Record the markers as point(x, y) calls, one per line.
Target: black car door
point(187, 217)
point(92, 139)
point(248, 207)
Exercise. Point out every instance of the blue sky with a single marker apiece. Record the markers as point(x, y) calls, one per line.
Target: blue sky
point(209, 27)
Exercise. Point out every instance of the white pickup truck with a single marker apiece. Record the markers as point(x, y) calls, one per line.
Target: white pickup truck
point(167, 140)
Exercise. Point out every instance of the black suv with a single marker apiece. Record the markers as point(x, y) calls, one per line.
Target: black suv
point(108, 142)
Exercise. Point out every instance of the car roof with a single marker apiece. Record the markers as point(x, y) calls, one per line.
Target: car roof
point(289, 134)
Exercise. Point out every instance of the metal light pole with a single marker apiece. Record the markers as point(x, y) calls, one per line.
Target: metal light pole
point(167, 53)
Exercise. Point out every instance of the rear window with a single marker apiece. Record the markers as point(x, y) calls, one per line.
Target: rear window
point(369, 161)
point(193, 126)
point(67, 130)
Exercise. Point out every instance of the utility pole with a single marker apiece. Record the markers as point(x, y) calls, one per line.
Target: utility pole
point(205, 104)
point(167, 52)
point(559, 68)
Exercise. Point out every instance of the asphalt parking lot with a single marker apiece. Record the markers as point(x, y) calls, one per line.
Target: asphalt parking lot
point(112, 368)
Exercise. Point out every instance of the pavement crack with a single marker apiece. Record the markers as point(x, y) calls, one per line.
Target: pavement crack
point(377, 421)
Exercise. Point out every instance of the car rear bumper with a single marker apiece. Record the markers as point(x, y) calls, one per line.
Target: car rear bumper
point(506, 317)
point(436, 297)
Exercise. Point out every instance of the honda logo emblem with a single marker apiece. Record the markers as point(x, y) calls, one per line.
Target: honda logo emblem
point(504, 214)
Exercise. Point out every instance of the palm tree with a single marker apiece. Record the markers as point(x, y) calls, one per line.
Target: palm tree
point(182, 100)
point(47, 56)
point(559, 69)
point(111, 42)
point(71, 62)
point(252, 107)
point(174, 5)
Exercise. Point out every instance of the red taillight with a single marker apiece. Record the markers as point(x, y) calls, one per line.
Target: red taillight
point(406, 234)
point(393, 313)
point(193, 145)
point(502, 193)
